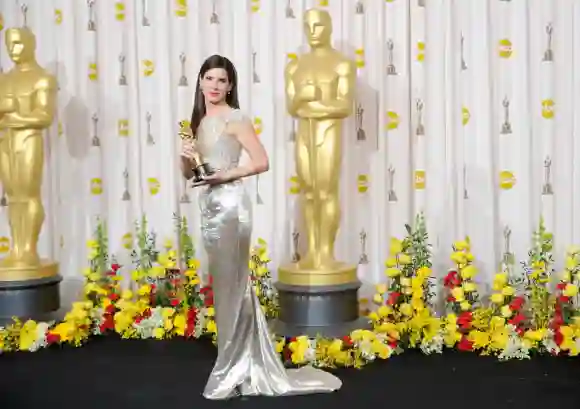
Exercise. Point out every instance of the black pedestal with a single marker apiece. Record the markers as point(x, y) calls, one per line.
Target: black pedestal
point(30, 299)
point(327, 311)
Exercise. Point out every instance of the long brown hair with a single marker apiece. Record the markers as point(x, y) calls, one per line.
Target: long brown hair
point(215, 61)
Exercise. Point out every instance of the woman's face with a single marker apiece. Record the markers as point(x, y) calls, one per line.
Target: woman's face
point(215, 85)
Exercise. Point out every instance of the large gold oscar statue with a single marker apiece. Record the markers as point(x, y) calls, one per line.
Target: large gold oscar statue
point(27, 107)
point(320, 88)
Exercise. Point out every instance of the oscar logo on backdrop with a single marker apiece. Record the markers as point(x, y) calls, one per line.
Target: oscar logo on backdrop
point(29, 285)
point(317, 293)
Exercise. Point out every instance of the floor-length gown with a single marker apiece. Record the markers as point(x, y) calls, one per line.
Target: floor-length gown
point(247, 361)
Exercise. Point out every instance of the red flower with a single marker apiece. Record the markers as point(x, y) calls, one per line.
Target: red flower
point(561, 286)
point(114, 297)
point(138, 319)
point(393, 298)
point(347, 341)
point(451, 279)
point(287, 354)
point(517, 303)
point(464, 319)
point(517, 319)
point(110, 309)
point(393, 344)
point(115, 267)
point(465, 345)
point(563, 299)
point(175, 302)
point(558, 338)
point(147, 313)
point(52, 338)
point(450, 298)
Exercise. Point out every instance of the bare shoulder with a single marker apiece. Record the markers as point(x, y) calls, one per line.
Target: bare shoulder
point(238, 121)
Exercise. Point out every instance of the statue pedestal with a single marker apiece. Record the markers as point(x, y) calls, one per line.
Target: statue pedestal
point(29, 292)
point(318, 304)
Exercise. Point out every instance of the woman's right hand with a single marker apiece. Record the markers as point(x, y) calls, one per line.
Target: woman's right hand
point(187, 150)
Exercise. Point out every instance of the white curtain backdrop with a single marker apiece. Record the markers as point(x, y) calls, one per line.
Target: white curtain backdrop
point(468, 110)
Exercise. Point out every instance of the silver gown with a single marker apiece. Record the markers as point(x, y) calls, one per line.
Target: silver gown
point(247, 361)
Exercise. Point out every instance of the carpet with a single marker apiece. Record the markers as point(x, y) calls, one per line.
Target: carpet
point(111, 373)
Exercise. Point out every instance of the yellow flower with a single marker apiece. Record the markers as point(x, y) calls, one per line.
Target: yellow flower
point(508, 291)
point(391, 262)
point(193, 264)
point(180, 322)
point(27, 335)
point(418, 293)
point(157, 271)
point(404, 259)
point(335, 347)
point(468, 272)
point(136, 275)
point(210, 312)
point(566, 276)
point(535, 335)
point(299, 349)
point(406, 309)
point(465, 305)
point(167, 312)
point(392, 272)
point(506, 311)
point(461, 245)
point(167, 260)
point(378, 299)
point(458, 294)
point(499, 281)
point(396, 246)
point(280, 345)
point(384, 311)
point(211, 327)
point(168, 324)
point(458, 257)
point(417, 304)
point(144, 290)
point(406, 282)
point(381, 288)
point(127, 295)
point(417, 283)
point(92, 244)
point(423, 273)
point(497, 298)
point(469, 287)
point(539, 265)
point(158, 333)
point(570, 291)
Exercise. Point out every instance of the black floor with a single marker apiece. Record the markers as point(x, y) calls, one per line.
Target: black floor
point(110, 373)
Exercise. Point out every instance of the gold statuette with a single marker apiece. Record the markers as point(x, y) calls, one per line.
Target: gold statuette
point(27, 108)
point(320, 87)
point(200, 168)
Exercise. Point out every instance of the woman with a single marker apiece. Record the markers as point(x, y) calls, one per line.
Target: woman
point(247, 362)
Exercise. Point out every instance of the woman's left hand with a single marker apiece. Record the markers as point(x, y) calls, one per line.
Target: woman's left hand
point(217, 178)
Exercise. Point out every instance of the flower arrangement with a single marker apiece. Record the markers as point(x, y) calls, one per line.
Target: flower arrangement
point(169, 296)
point(404, 312)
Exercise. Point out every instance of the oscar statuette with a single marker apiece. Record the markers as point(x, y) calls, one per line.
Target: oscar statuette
point(201, 169)
point(29, 284)
point(319, 294)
